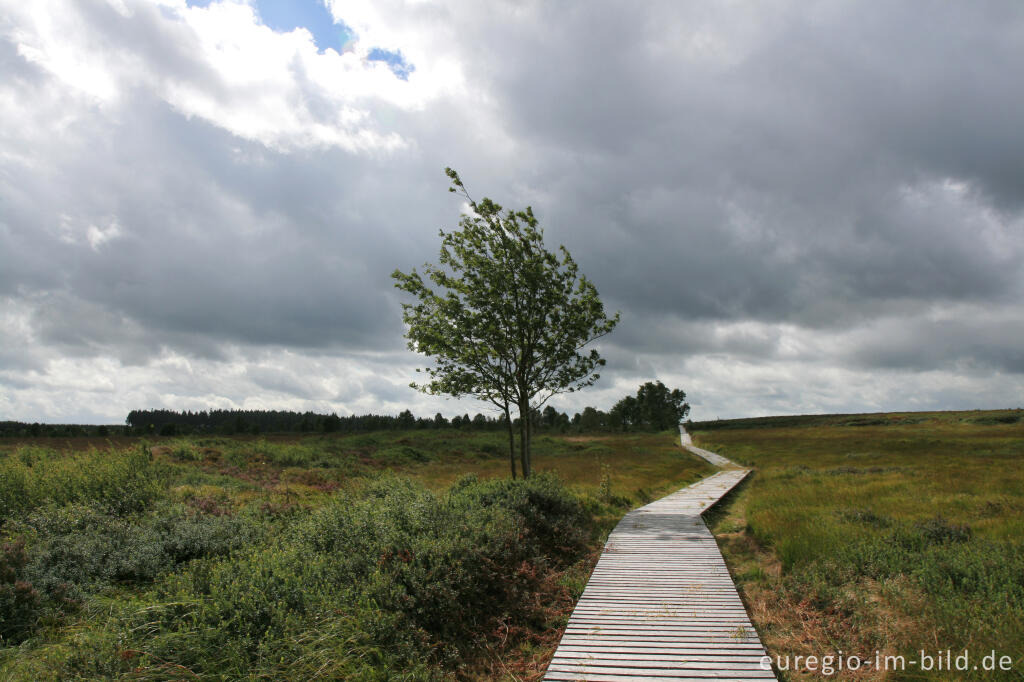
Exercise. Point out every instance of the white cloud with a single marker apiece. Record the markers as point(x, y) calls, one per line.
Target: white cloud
point(227, 68)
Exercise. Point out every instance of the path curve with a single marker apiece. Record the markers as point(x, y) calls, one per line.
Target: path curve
point(660, 604)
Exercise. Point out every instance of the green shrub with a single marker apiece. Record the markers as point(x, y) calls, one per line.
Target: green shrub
point(20, 603)
point(308, 455)
point(553, 517)
point(864, 516)
point(186, 452)
point(402, 454)
point(940, 531)
point(390, 577)
point(1012, 418)
point(123, 482)
point(78, 550)
point(941, 558)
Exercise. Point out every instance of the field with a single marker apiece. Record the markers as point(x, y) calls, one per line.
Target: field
point(391, 555)
point(409, 554)
point(895, 533)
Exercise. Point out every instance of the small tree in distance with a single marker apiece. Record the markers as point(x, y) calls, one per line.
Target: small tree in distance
point(504, 319)
point(654, 407)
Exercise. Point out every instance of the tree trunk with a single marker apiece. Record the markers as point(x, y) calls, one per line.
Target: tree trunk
point(511, 443)
point(524, 438)
point(529, 438)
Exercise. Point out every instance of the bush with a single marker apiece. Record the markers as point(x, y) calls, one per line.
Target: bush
point(402, 454)
point(991, 420)
point(308, 455)
point(78, 550)
point(122, 483)
point(940, 531)
point(20, 603)
point(554, 518)
point(391, 577)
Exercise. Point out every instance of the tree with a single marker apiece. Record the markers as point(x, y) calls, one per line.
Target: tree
point(406, 420)
point(593, 419)
point(654, 407)
point(503, 318)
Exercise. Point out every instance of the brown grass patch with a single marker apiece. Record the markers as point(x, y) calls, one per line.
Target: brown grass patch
point(522, 654)
point(867, 617)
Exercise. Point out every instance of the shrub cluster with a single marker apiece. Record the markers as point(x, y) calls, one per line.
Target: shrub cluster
point(33, 477)
point(392, 576)
point(78, 550)
point(20, 603)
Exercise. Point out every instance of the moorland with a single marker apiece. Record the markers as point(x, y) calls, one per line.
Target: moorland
point(412, 555)
point(383, 555)
point(896, 532)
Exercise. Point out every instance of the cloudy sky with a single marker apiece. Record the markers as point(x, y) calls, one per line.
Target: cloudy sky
point(797, 207)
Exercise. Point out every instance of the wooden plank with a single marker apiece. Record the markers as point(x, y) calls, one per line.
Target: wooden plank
point(660, 604)
point(658, 676)
point(720, 662)
point(558, 676)
point(724, 662)
point(655, 652)
point(669, 671)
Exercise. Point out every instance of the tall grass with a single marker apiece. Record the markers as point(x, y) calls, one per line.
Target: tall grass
point(123, 483)
point(900, 532)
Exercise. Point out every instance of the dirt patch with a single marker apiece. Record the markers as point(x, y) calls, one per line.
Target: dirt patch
point(72, 444)
point(584, 439)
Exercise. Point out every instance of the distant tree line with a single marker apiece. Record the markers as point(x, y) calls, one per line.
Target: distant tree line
point(171, 422)
point(653, 408)
point(12, 429)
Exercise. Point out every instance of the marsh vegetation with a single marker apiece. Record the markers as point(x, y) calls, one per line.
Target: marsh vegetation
point(405, 555)
point(891, 532)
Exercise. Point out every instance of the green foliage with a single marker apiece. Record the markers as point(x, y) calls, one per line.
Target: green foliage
point(593, 419)
point(124, 484)
point(972, 586)
point(391, 577)
point(503, 317)
point(1005, 418)
point(186, 452)
point(402, 454)
point(294, 558)
point(890, 419)
point(20, 603)
point(79, 550)
point(654, 407)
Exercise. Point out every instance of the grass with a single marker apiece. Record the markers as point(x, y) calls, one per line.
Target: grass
point(369, 556)
point(891, 532)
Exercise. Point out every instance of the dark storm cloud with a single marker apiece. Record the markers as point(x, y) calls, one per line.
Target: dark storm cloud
point(277, 380)
point(759, 187)
point(966, 345)
point(205, 246)
point(648, 335)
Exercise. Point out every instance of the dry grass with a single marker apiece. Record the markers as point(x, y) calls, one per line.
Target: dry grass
point(894, 533)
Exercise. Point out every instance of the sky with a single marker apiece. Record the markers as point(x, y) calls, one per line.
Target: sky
point(796, 207)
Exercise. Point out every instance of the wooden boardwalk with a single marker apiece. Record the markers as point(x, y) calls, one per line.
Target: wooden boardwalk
point(712, 457)
point(660, 604)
